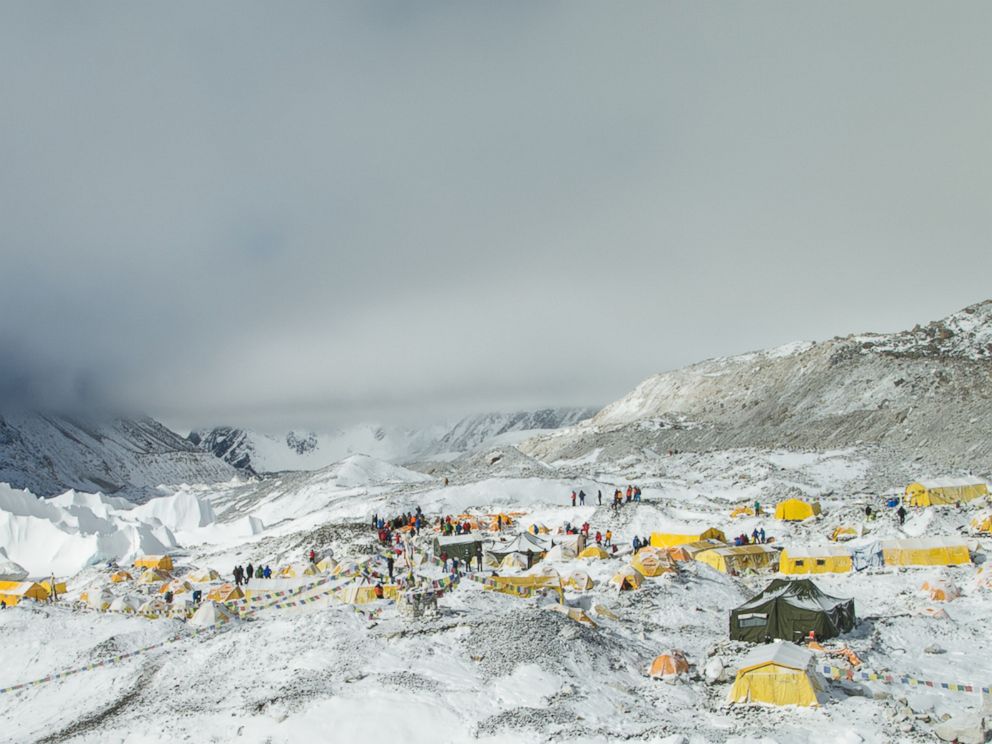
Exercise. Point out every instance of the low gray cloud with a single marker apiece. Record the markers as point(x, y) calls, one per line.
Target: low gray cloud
point(306, 214)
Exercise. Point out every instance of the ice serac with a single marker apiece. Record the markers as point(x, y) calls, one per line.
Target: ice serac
point(923, 393)
point(49, 454)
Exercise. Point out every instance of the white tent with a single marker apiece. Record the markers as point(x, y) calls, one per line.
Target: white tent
point(125, 604)
point(210, 614)
point(866, 553)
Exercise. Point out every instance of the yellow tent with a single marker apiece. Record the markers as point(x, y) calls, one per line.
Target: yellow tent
point(627, 578)
point(497, 520)
point(161, 562)
point(674, 539)
point(921, 551)
point(513, 560)
point(941, 591)
point(579, 580)
point(118, 576)
point(950, 491)
point(669, 664)
point(295, 570)
point(98, 600)
point(176, 586)
point(982, 523)
point(796, 510)
point(689, 551)
point(151, 576)
point(542, 529)
point(59, 586)
point(225, 593)
point(808, 560)
point(326, 565)
point(777, 674)
point(12, 592)
point(594, 551)
point(737, 559)
point(203, 576)
point(154, 608)
point(841, 534)
point(650, 564)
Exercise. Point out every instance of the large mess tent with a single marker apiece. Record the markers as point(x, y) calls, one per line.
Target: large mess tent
point(675, 538)
point(524, 544)
point(925, 551)
point(944, 492)
point(12, 592)
point(796, 510)
point(799, 559)
point(790, 610)
point(777, 674)
point(738, 559)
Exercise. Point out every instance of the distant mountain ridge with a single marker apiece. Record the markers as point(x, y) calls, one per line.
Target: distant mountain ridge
point(255, 452)
point(924, 394)
point(50, 454)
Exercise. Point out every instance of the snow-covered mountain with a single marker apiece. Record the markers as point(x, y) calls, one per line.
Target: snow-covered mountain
point(257, 452)
point(50, 454)
point(474, 431)
point(926, 393)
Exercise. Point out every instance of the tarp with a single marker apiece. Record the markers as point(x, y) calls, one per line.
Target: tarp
point(738, 559)
point(574, 613)
point(161, 562)
point(843, 533)
point(799, 559)
point(930, 551)
point(674, 539)
point(866, 554)
point(790, 610)
point(796, 510)
point(944, 492)
point(777, 674)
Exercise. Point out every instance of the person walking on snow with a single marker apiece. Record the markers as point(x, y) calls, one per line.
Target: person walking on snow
point(901, 513)
point(249, 572)
point(389, 566)
point(573, 498)
point(582, 498)
point(636, 543)
point(599, 495)
point(609, 537)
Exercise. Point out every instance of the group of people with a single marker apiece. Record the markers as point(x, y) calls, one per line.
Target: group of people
point(633, 493)
point(244, 574)
point(585, 529)
point(757, 537)
point(389, 528)
point(640, 542)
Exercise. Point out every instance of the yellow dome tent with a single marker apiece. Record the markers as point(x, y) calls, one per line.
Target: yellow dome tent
point(796, 510)
point(737, 559)
point(594, 551)
point(296, 570)
point(161, 562)
point(674, 539)
point(650, 564)
point(151, 576)
point(627, 578)
point(326, 565)
point(777, 674)
point(118, 576)
point(579, 580)
point(925, 551)
point(669, 664)
point(154, 608)
point(808, 560)
point(513, 560)
point(225, 593)
point(943, 492)
point(176, 586)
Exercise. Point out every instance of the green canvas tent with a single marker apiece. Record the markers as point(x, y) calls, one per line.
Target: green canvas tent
point(790, 610)
point(462, 547)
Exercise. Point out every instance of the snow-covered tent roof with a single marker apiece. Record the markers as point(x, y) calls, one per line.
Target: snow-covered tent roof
point(781, 653)
point(950, 482)
point(522, 543)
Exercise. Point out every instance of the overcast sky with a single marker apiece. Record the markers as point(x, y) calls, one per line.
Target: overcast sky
point(299, 215)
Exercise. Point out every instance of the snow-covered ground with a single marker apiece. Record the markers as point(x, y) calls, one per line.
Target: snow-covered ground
point(490, 667)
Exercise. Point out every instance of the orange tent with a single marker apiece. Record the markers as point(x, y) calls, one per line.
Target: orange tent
point(669, 664)
point(941, 591)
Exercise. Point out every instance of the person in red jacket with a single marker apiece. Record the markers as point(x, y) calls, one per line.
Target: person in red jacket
point(599, 537)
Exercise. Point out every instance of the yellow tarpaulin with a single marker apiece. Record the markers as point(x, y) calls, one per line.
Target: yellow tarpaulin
point(674, 539)
point(934, 551)
point(161, 562)
point(941, 493)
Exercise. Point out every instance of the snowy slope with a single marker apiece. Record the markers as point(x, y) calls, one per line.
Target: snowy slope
point(474, 431)
point(50, 454)
point(926, 391)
